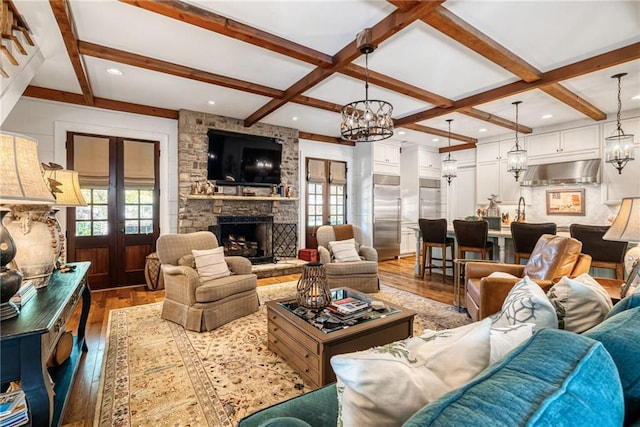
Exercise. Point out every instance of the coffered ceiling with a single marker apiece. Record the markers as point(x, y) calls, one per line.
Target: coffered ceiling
point(295, 63)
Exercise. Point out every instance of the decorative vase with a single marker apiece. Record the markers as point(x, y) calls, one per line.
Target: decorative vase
point(313, 291)
point(34, 231)
point(10, 280)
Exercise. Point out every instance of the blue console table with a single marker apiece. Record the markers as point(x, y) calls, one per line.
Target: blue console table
point(28, 340)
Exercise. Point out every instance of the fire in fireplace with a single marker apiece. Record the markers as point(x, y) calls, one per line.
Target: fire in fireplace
point(247, 236)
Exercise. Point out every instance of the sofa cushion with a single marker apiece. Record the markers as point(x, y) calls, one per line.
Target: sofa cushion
point(385, 385)
point(344, 250)
point(210, 263)
point(619, 335)
point(556, 378)
point(580, 303)
point(527, 303)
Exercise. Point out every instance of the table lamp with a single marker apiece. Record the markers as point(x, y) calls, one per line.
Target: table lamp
point(21, 184)
point(65, 187)
point(626, 228)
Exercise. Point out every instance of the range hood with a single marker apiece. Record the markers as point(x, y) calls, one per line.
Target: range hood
point(578, 172)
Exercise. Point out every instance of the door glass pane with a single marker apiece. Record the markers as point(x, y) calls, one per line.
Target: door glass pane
point(100, 212)
point(131, 212)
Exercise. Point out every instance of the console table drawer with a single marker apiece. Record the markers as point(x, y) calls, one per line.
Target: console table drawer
point(50, 339)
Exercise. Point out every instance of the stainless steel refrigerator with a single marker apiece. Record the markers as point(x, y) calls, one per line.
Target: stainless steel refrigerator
point(386, 216)
point(430, 201)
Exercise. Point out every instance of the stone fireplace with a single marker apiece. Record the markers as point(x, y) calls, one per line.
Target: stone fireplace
point(219, 211)
point(247, 236)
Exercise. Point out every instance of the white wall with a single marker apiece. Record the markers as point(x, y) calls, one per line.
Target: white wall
point(326, 151)
point(49, 121)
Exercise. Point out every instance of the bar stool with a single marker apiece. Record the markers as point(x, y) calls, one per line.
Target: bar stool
point(604, 253)
point(434, 235)
point(472, 237)
point(526, 235)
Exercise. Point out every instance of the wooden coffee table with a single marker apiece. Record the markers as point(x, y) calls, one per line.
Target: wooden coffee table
point(308, 350)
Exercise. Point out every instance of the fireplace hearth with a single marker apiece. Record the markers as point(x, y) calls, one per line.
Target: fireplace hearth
point(247, 236)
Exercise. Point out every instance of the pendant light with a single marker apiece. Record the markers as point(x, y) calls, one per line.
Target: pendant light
point(369, 119)
point(449, 165)
point(517, 157)
point(619, 146)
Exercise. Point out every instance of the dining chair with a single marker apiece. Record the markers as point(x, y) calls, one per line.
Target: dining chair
point(434, 235)
point(525, 235)
point(604, 253)
point(472, 236)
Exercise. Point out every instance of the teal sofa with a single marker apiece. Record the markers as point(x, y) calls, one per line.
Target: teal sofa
point(556, 378)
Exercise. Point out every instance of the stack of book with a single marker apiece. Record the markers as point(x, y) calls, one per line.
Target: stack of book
point(348, 308)
point(13, 409)
point(24, 294)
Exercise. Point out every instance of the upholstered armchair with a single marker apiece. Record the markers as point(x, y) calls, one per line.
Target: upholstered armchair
point(552, 257)
point(361, 272)
point(203, 305)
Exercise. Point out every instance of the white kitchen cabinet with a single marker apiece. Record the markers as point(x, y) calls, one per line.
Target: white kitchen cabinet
point(626, 184)
point(429, 163)
point(570, 144)
point(386, 158)
point(492, 176)
point(461, 194)
point(408, 241)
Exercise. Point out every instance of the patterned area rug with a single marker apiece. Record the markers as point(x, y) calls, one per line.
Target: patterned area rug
point(156, 373)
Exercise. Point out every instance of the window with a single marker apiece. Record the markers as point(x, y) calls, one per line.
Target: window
point(138, 211)
point(326, 192)
point(92, 220)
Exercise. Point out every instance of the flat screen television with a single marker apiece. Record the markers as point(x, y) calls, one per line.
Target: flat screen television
point(238, 159)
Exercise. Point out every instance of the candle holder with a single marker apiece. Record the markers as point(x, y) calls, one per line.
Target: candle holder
point(313, 291)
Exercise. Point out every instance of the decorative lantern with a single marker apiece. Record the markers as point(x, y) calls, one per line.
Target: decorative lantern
point(313, 291)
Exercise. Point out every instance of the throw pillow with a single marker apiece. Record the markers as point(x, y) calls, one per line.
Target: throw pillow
point(502, 275)
point(527, 303)
point(385, 385)
point(503, 340)
point(344, 250)
point(210, 263)
point(581, 303)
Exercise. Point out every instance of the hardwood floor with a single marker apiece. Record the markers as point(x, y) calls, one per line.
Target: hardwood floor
point(82, 401)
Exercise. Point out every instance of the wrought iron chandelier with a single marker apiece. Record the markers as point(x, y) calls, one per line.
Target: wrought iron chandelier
point(517, 157)
point(619, 146)
point(449, 165)
point(369, 119)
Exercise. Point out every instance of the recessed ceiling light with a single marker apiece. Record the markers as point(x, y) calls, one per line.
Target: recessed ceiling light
point(435, 139)
point(547, 116)
point(401, 132)
point(482, 130)
point(114, 72)
point(636, 98)
point(212, 102)
point(294, 118)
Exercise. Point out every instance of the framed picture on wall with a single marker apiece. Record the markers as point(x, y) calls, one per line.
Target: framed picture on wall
point(565, 202)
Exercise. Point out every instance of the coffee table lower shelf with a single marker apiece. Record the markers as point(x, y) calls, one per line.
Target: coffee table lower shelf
point(309, 350)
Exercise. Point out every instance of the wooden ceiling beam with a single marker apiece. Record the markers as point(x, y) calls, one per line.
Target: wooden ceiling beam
point(217, 23)
point(490, 118)
point(458, 147)
point(317, 103)
point(396, 85)
point(108, 104)
point(462, 32)
point(439, 132)
point(380, 32)
point(571, 99)
point(576, 69)
point(325, 138)
point(63, 16)
point(103, 52)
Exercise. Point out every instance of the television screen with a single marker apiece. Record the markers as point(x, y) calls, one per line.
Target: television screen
point(235, 158)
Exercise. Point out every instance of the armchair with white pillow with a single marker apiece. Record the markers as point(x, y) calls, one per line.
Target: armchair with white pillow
point(347, 262)
point(203, 288)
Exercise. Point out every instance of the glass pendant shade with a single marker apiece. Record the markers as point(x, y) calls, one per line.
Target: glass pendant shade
point(517, 161)
point(619, 147)
point(449, 169)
